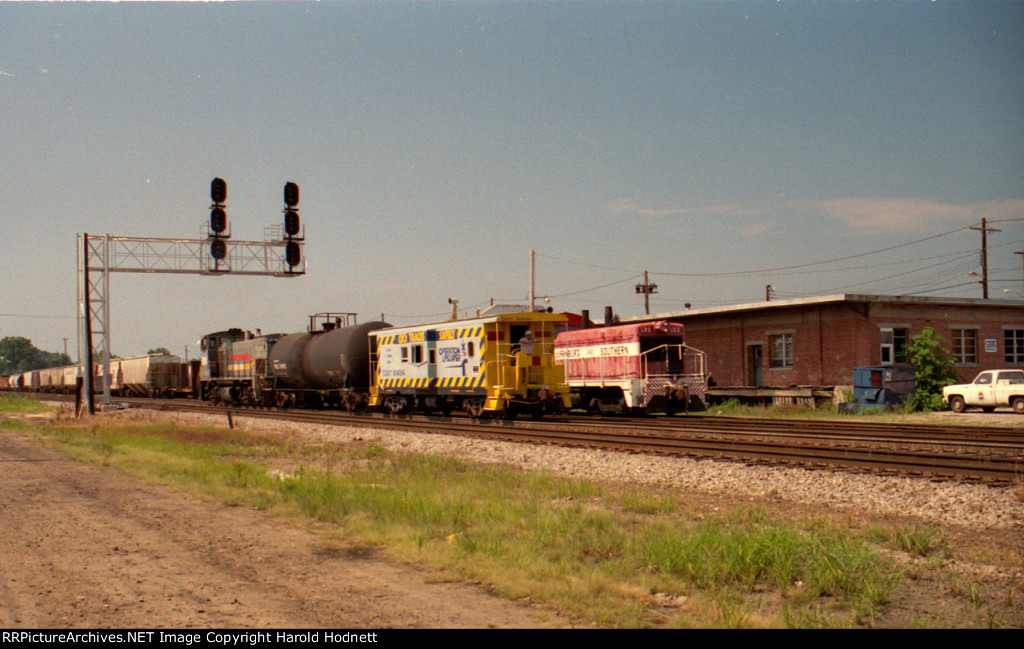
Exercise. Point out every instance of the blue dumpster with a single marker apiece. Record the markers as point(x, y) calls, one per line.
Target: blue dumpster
point(880, 387)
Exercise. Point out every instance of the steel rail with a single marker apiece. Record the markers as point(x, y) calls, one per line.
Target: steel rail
point(977, 465)
point(726, 443)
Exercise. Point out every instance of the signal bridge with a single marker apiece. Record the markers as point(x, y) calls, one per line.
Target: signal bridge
point(279, 255)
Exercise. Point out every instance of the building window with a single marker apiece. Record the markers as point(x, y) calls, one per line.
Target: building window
point(965, 346)
point(1013, 344)
point(894, 345)
point(781, 347)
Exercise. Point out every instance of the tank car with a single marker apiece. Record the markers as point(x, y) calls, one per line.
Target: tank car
point(644, 366)
point(499, 365)
point(327, 365)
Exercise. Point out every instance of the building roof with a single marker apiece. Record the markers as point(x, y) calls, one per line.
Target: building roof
point(837, 298)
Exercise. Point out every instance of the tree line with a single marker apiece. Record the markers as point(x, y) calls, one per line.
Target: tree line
point(18, 354)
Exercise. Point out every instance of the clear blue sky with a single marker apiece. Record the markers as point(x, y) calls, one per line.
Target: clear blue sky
point(714, 144)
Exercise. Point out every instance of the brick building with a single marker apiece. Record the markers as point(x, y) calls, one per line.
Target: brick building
point(818, 341)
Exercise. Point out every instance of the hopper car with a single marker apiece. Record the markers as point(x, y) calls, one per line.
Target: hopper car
point(152, 375)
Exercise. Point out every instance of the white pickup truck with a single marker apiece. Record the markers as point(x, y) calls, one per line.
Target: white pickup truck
point(990, 390)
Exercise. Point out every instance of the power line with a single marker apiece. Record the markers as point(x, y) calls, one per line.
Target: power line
point(769, 270)
point(50, 317)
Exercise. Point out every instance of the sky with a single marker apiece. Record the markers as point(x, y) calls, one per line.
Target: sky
point(817, 147)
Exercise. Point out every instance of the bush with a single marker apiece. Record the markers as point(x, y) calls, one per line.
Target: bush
point(933, 367)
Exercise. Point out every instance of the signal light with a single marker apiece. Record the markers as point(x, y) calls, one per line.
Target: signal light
point(292, 254)
point(291, 223)
point(291, 194)
point(218, 249)
point(218, 190)
point(218, 220)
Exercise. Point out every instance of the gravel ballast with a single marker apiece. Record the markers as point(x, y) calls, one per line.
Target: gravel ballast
point(972, 505)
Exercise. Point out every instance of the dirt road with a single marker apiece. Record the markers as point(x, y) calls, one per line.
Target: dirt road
point(84, 546)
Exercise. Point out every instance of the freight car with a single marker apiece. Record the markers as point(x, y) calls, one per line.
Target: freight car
point(328, 365)
point(152, 375)
point(499, 365)
point(632, 367)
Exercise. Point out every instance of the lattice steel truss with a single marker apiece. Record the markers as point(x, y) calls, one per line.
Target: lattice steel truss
point(100, 255)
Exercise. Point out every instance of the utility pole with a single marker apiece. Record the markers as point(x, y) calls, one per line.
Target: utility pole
point(646, 289)
point(984, 255)
point(1021, 253)
point(533, 267)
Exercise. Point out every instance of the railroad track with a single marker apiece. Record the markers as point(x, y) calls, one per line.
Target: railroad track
point(991, 454)
point(936, 452)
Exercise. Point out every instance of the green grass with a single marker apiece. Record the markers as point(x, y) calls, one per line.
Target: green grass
point(10, 404)
point(736, 408)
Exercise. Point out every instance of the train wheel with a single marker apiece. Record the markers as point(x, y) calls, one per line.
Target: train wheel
point(397, 405)
point(475, 408)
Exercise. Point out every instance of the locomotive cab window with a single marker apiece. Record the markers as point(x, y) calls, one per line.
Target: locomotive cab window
point(417, 354)
point(516, 333)
point(405, 354)
point(470, 349)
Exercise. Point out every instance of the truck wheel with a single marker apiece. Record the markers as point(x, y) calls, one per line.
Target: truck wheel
point(957, 404)
point(1018, 405)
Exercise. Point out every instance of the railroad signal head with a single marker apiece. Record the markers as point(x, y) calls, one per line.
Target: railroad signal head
point(218, 220)
point(291, 222)
point(218, 249)
point(291, 194)
point(218, 190)
point(292, 254)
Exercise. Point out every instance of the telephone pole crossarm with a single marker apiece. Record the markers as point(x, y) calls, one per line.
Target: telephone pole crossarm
point(984, 255)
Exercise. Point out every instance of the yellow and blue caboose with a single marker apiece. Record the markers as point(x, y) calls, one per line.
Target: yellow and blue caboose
point(499, 365)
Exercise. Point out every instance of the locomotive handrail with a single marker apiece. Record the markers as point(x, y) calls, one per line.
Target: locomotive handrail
point(684, 351)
